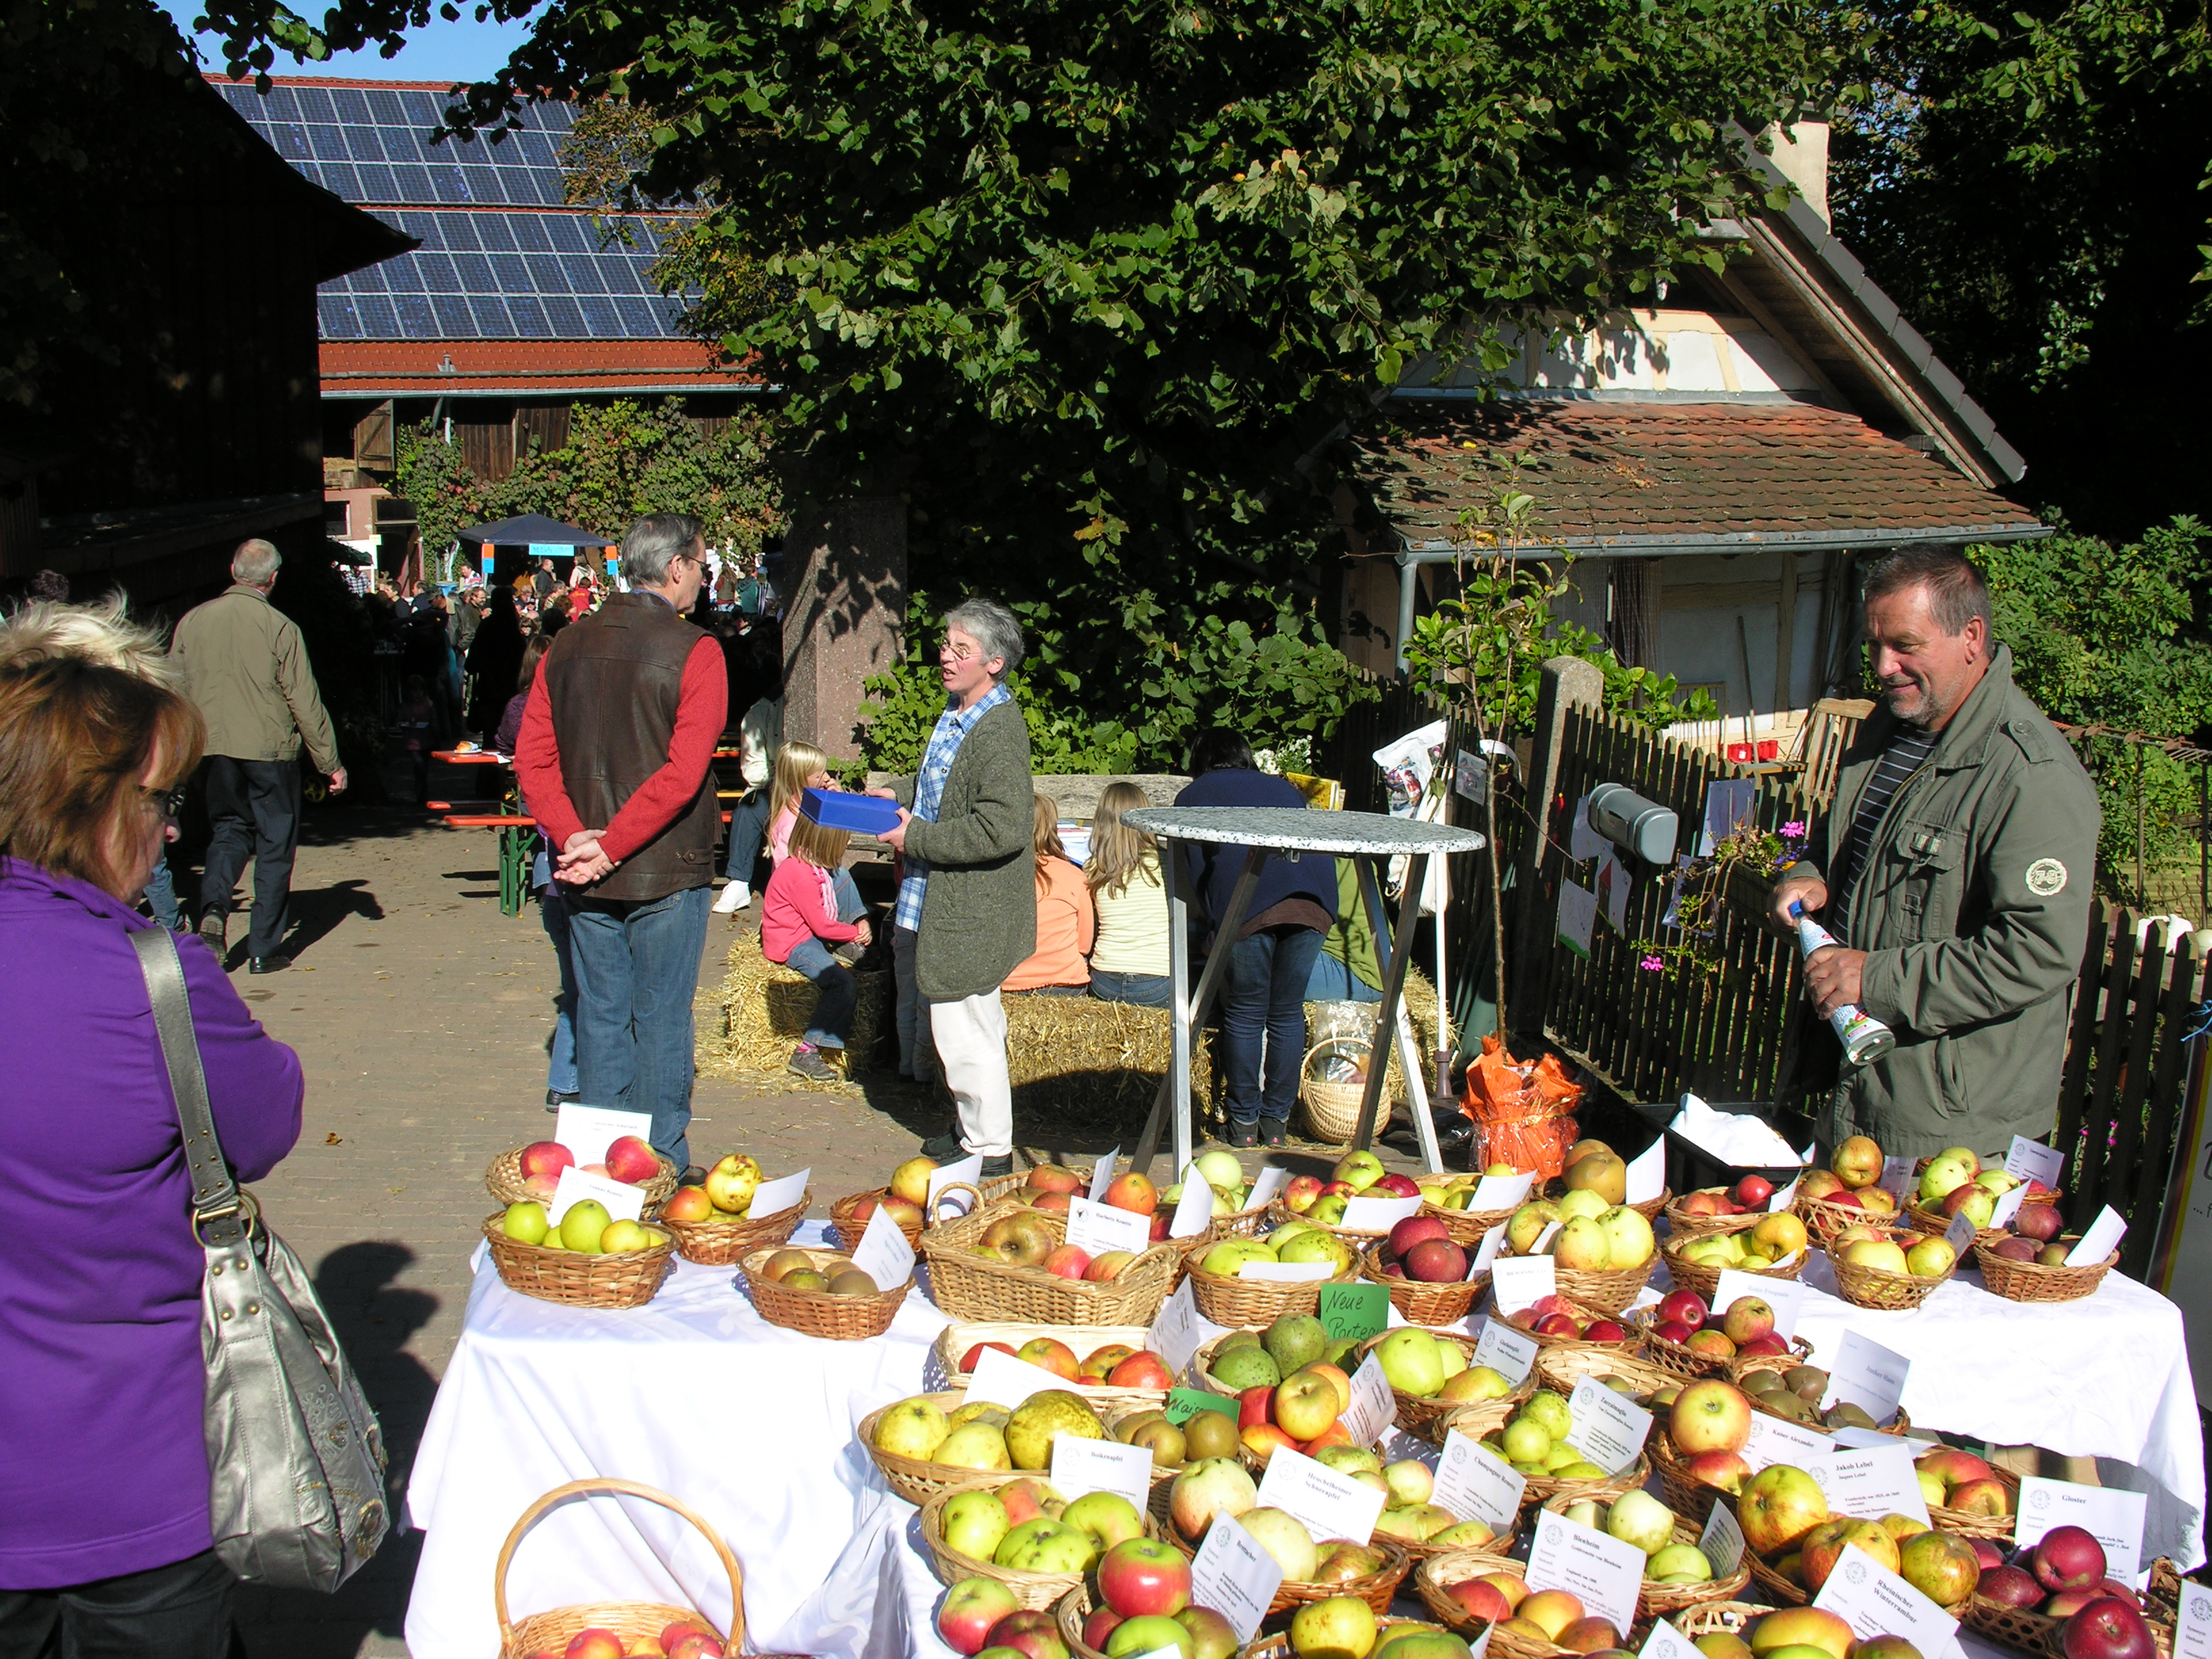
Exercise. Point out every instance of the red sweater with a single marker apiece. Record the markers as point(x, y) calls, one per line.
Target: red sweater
point(702, 706)
point(801, 904)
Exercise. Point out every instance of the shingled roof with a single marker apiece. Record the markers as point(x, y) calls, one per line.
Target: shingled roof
point(1637, 477)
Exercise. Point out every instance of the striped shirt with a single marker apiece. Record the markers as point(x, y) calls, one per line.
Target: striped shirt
point(1907, 752)
point(952, 728)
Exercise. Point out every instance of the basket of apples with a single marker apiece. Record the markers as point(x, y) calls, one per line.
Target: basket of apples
point(1426, 1271)
point(1233, 1214)
point(1592, 1166)
point(1795, 1543)
point(1793, 1392)
point(1218, 1493)
point(1116, 1369)
point(1469, 1591)
point(904, 1200)
point(713, 1223)
point(1709, 1210)
point(1237, 1362)
point(1773, 1247)
point(1335, 1625)
point(1559, 1323)
point(1431, 1375)
point(928, 1442)
point(1231, 1285)
point(1968, 1496)
point(1356, 1175)
point(589, 1260)
point(2024, 1266)
point(1677, 1574)
point(1019, 1534)
point(1012, 1263)
point(1953, 1183)
point(1846, 1193)
point(1149, 1588)
point(1685, 1335)
point(820, 1293)
point(534, 1172)
point(615, 1629)
point(1603, 1254)
point(2055, 1598)
point(1531, 1433)
point(1888, 1267)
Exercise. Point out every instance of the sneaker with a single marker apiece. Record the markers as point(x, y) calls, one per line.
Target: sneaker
point(734, 899)
point(1243, 1135)
point(1273, 1132)
point(211, 930)
point(806, 1060)
point(994, 1167)
point(692, 1176)
point(850, 951)
point(943, 1148)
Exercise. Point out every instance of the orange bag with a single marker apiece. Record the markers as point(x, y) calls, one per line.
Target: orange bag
point(1522, 1114)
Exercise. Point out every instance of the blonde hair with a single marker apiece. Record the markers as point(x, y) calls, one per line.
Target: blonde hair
point(819, 845)
point(1044, 837)
point(796, 762)
point(1118, 851)
point(101, 633)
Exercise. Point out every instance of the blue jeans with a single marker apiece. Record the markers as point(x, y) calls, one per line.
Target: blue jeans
point(1332, 981)
point(748, 829)
point(1143, 990)
point(840, 992)
point(637, 969)
point(553, 911)
point(162, 894)
point(1263, 1009)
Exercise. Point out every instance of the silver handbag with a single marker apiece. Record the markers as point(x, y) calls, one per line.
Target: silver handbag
point(295, 1459)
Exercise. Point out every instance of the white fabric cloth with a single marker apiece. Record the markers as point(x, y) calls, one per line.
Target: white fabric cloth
point(971, 1046)
point(751, 1424)
point(1735, 1137)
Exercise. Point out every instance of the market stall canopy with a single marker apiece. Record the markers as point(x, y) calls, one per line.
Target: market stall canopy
point(535, 530)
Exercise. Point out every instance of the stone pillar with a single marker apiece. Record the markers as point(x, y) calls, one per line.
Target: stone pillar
point(844, 613)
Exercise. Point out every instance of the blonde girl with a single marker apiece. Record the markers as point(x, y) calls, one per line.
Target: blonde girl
point(1129, 960)
point(813, 920)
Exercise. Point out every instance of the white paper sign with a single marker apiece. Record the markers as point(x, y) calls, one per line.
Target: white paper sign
point(588, 1131)
point(884, 1256)
point(1543, 1241)
point(1609, 1429)
point(1325, 1504)
point(1181, 1330)
point(1773, 1441)
point(1869, 1376)
point(1475, 1485)
point(1265, 1185)
point(625, 1202)
point(1235, 1576)
point(2192, 1636)
point(1578, 916)
point(1583, 842)
point(1080, 1466)
point(1781, 1199)
point(1520, 1281)
point(1647, 1173)
point(963, 1172)
point(1099, 1228)
point(1665, 1642)
point(1872, 1482)
point(1897, 1179)
point(1102, 1175)
point(1485, 1254)
point(1506, 1351)
point(2098, 1241)
point(1372, 1407)
point(2031, 1160)
point(1194, 1211)
point(1003, 1380)
point(2009, 1207)
point(1377, 1215)
point(775, 1197)
point(1722, 1540)
point(1604, 1572)
point(1959, 1235)
point(1285, 1273)
point(1785, 1296)
point(1507, 1192)
point(1875, 1602)
point(2114, 1518)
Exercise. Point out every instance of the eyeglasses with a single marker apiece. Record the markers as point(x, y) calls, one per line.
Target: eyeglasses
point(170, 801)
point(963, 652)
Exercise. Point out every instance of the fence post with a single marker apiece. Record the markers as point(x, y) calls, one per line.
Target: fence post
point(1568, 682)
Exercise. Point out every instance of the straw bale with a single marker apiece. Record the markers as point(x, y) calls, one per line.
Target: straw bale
point(765, 1010)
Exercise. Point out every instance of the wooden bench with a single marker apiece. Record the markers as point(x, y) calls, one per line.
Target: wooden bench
point(514, 853)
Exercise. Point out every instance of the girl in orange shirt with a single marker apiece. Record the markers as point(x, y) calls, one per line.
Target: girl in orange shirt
point(1066, 922)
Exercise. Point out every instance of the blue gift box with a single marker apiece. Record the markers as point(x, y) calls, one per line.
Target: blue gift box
point(833, 809)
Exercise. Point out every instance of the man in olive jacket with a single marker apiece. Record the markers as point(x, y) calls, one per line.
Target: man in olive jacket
point(1954, 868)
point(967, 909)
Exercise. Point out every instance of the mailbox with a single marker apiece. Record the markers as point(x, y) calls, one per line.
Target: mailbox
point(1639, 827)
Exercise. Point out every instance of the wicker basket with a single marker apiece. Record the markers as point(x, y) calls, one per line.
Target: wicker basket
point(1415, 1411)
point(1476, 1421)
point(1655, 1602)
point(629, 1621)
point(1376, 1589)
point(503, 1180)
point(1560, 1368)
point(968, 1286)
point(916, 1478)
point(1434, 1578)
point(1255, 1303)
point(1997, 1529)
point(1873, 1287)
point(1743, 1364)
point(1681, 1491)
point(1679, 1226)
point(720, 1241)
point(1705, 1281)
point(848, 1227)
point(2029, 1281)
point(954, 1341)
point(1606, 1291)
point(1466, 1227)
point(1823, 1220)
point(1034, 1590)
point(1419, 1303)
point(1684, 1365)
point(1333, 1108)
point(628, 1281)
point(821, 1313)
point(1715, 1618)
point(2027, 1631)
point(1652, 1208)
point(1548, 1342)
point(1772, 1585)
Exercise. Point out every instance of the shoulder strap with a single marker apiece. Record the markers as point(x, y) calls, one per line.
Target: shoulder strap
point(215, 1195)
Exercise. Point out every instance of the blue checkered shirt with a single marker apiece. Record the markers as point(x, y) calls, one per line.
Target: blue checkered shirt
point(953, 726)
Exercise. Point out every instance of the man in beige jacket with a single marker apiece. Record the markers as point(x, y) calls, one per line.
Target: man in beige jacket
point(246, 667)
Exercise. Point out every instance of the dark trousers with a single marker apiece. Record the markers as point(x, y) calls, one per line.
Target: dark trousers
point(1263, 1009)
point(254, 808)
point(182, 1611)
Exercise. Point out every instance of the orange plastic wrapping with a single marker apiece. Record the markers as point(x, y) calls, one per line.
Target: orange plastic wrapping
point(1523, 1113)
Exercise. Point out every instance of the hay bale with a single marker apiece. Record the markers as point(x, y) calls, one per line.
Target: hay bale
point(766, 1008)
point(1073, 1059)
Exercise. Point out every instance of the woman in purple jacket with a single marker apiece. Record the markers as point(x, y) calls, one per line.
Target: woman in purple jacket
point(105, 1545)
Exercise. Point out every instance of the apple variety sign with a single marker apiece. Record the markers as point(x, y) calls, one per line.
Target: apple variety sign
point(2007, 1206)
point(884, 1256)
point(1235, 1576)
point(1099, 1228)
point(1003, 1380)
point(1603, 1571)
point(2114, 1517)
point(1869, 1376)
point(775, 1197)
point(1519, 1281)
point(1773, 1441)
point(1080, 1466)
point(1181, 1330)
point(1487, 1252)
point(2193, 1635)
point(1506, 1351)
point(2031, 1160)
point(1325, 1504)
point(2098, 1239)
point(625, 1202)
point(1665, 1642)
point(1782, 1199)
point(1102, 1175)
point(1372, 1405)
point(1359, 1311)
point(1609, 1428)
point(1722, 1540)
point(965, 1172)
point(1475, 1485)
point(1377, 1215)
point(588, 1131)
point(1195, 1209)
point(1872, 1482)
point(1265, 1185)
point(1785, 1296)
point(1647, 1173)
point(1875, 1602)
point(1506, 1192)
point(1183, 1404)
point(1897, 1179)
point(1960, 1233)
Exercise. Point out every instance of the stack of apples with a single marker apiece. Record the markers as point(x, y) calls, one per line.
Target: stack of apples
point(1204, 1434)
point(2063, 1575)
point(1914, 1255)
point(1954, 1480)
point(1025, 1525)
point(1408, 1515)
point(795, 1270)
point(1116, 1366)
point(979, 1435)
point(1296, 1240)
point(1429, 1367)
point(586, 1230)
point(2025, 1244)
point(1747, 1195)
point(1345, 1627)
point(1051, 1187)
point(1785, 1519)
point(680, 1638)
point(1795, 1395)
point(1745, 1329)
point(1300, 1412)
point(1953, 1183)
point(1420, 1248)
point(1555, 1316)
point(903, 1198)
point(1144, 1606)
point(1802, 1633)
point(629, 1160)
point(725, 1195)
point(1638, 1518)
point(1708, 1424)
point(1771, 1244)
point(1224, 1176)
point(1850, 1182)
point(1356, 1175)
point(1022, 1238)
point(1592, 1166)
point(1593, 1236)
point(1253, 1359)
point(1555, 1617)
point(1534, 1440)
point(1217, 1489)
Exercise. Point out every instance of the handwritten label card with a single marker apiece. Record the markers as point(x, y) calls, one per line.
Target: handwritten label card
point(1722, 1540)
point(1604, 1572)
point(1897, 1179)
point(1325, 1504)
point(2009, 1207)
point(1785, 1296)
point(1872, 1482)
point(884, 1256)
point(1509, 1352)
point(961, 1172)
point(1183, 1404)
point(1519, 1281)
point(1235, 1576)
point(1377, 1215)
point(2098, 1243)
point(1647, 1173)
point(1265, 1185)
point(588, 1131)
point(1495, 1193)
point(1476, 1484)
point(1875, 1602)
point(1003, 1380)
point(1359, 1311)
point(1665, 1642)
point(2031, 1160)
point(1099, 1228)
point(1485, 1254)
point(2193, 1635)
point(1373, 1406)
point(2114, 1517)
point(1869, 1376)
point(1080, 1466)
point(1181, 1330)
point(1773, 1441)
point(1102, 1175)
point(775, 1197)
point(1194, 1211)
point(1285, 1273)
point(625, 1202)
point(1609, 1428)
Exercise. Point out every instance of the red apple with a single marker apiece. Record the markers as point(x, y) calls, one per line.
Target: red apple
point(2109, 1629)
point(1263, 1440)
point(1759, 1345)
point(1298, 1195)
point(967, 1361)
point(1162, 1220)
point(2114, 1587)
point(1024, 1499)
point(970, 1608)
point(1031, 1632)
point(1710, 1341)
point(1436, 1261)
point(1604, 1330)
point(1414, 1229)
point(2067, 1558)
point(1050, 1203)
point(594, 1644)
point(1052, 1355)
point(1395, 1186)
point(1099, 1626)
point(1672, 1330)
point(1144, 1575)
point(1134, 1193)
point(1753, 1190)
point(1337, 1189)
point(1843, 1201)
point(1068, 1262)
point(1141, 1369)
point(672, 1633)
point(1685, 1307)
point(1987, 1553)
point(630, 1161)
point(697, 1645)
point(2041, 1222)
point(542, 1162)
point(2008, 1587)
point(1557, 1324)
point(1479, 1599)
point(689, 1204)
point(1705, 1202)
point(1724, 1471)
point(2067, 1603)
point(1256, 1407)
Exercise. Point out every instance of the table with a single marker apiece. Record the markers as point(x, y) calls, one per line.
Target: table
point(1366, 838)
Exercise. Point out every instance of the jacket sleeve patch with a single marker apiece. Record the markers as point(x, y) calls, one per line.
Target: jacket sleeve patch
point(2046, 878)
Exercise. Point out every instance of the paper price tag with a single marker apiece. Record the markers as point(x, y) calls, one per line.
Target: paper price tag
point(2114, 1518)
point(1869, 1376)
point(1102, 1175)
point(1485, 1254)
point(1875, 1602)
point(1872, 1482)
point(1355, 1311)
point(1372, 1405)
point(1183, 1404)
point(1502, 1192)
point(2097, 1242)
point(1604, 1572)
point(2009, 1207)
point(1665, 1642)
point(884, 1256)
point(1897, 1179)
point(1647, 1173)
point(1518, 1281)
point(1850, 1439)
point(588, 1131)
point(1265, 1185)
point(775, 1197)
point(1475, 1485)
point(623, 1201)
point(1325, 1504)
point(1003, 1380)
point(2193, 1635)
point(2031, 1160)
point(1722, 1540)
point(1773, 1441)
point(1080, 1466)
point(1509, 1352)
point(1377, 1215)
point(1194, 1211)
point(1782, 1199)
point(962, 1172)
point(1959, 1235)
point(1181, 1330)
point(1099, 1228)
point(1608, 1428)
point(1785, 1296)
point(1234, 1577)
point(1285, 1273)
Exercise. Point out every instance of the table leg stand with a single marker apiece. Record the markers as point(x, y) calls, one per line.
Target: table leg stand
point(1394, 981)
point(1409, 1051)
point(1190, 1008)
point(514, 870)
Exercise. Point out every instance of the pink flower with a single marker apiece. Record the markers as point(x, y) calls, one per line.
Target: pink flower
point(1793, 830)
point(1652, 964)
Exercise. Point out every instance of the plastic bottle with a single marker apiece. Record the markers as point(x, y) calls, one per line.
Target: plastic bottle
point(1865, 1039)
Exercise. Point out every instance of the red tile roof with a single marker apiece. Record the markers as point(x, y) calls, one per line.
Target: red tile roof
point(1694, 472)
point(383, 368)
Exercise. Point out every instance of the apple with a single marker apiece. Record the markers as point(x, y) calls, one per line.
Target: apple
point(1974, 1202)
point(688, 1204)
point(1640, 1519)
point(1410, 1360)
point(1045, 1544)
point(1414, 1229)
point(1686, 1306)
point(1628, 1240)
point(1107, 1516)
point(1931, 1258)
point(1941, 1565)
point(1411, 1481)
point(1299, 1192)
point(1026, 1499)
point(1337, 1625)
point(1211, 1636)
point(1143, 1575)
point(524, 1222)
point(1149, 1633)
point(1068, 1262)
point(1208, 1487)
point(1944, 1175)
point(1030, 1632)
point(2067, 1558)
point(1133, 1193)
point(621, 1236)
point(1768, 1344)
point(1802, 1627)
point(2009, 1587)
point(970, 1608)
point(1478, 1598)
point(1783, 1233)
point(1604, 1330)
point(1338, 1380)
point(1358, 1170)
point(1724, 1471)
point(1437, 1261)
point(967, 1361)
point(1879, 1254)
point(1588, 1634)
point(1318, 1246)
point(1710, 1341)
point(631, 1162)
point(583, 1226)
point(1857, 1162)
point(1557, 1324)
point(1822, 1547)
point(1052, 1355)
point(1878, 1200)
point(1397, 1186)
point(1304, 1405)
point(1263, 1440)
point(910, 1180)
point(1747, 1318)
point(1679, 1563)
point(1054, 1178)
point(1706, 1201)
point(2041, 1222)
point(593, 1643)
point(975, 1523)
point(1779, 1505)
point(1109, 1265)
point(1141, 1369)
point(2108, 1629)
point(1672, 1330)
point(731, 1183)
point(1988, 1554)
point(1283, 1537)
point(1987, 1496)
point(1550, 1611)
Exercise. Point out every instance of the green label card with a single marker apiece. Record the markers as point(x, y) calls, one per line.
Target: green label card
point(1358, 1311)
point(1185, 1403)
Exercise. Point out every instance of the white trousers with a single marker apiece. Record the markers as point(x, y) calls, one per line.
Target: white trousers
point(971, 1044)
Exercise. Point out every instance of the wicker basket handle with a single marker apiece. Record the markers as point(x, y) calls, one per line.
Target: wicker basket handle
point(733, 1637)
point(950, 1187)
point(1338, 1041)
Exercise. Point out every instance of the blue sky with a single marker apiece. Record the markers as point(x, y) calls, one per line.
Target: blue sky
point(465, 51)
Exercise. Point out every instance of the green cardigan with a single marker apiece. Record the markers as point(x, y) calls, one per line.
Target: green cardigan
point(979, 911)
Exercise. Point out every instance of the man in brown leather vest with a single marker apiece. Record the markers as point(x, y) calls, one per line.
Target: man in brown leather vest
point(615, 760)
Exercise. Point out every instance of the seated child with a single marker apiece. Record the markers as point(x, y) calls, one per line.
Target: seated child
point(813, 920)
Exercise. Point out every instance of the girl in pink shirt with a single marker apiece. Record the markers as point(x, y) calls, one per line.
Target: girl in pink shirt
point(813, 920)
point(799, 767)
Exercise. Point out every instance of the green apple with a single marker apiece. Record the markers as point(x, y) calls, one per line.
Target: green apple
point(581, 1226)
point(1289, 1230)
point(1347, 1459)
point(1283, 1537)
point(1219, 1169)
point(1339, 1624)
point(1640, 1519)
point(1550, 1409)
point(1317, 1246)
point(524, 1221)
point(1560, 1456)
point(1580, 1202)
point(1526, 1441)
point(1042, 1544)
point(1628, 1236)
point(1679, 1564)
point(975, 1523)
point(1410, 1361)
point(1527, 1222)
point(1942, 1174)
point(1328, 1209)
point(1106, 1515)
point(1454, 1359)
point(1475, 1383)
point(974, 1446)
point(1149, 1633)
point(1226, 1257)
